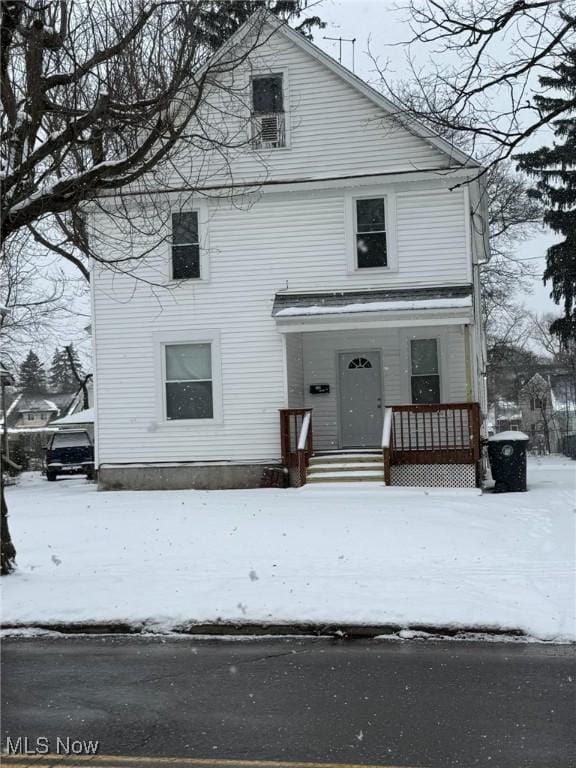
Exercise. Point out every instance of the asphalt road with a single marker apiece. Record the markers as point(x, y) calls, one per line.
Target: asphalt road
point(421, 704)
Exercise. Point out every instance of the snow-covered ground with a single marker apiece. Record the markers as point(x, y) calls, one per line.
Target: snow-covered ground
point(322, 554)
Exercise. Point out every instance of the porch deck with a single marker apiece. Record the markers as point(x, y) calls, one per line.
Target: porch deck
point(429, 445)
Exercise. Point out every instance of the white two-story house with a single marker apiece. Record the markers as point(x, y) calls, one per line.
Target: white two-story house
point(323, 316)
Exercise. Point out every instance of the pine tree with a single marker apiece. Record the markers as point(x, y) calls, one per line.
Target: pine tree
point(62, 377)
point(555, 170)
point(219, 20)
point(32, 376)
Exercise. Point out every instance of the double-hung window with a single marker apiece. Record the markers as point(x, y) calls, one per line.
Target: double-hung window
point(188, 381)
point(185, 245)
point(425, 371)
point(268, 123)
point(370, 233)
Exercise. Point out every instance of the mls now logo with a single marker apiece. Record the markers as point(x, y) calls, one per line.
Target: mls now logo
point(41, 746)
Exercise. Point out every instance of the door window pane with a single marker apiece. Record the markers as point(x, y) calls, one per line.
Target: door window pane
point(189, 392)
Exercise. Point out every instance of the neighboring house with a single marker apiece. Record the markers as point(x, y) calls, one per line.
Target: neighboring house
point(346, 284)
point(37, 411)
point(504, 416)
point(31, 419)
point(549, 409)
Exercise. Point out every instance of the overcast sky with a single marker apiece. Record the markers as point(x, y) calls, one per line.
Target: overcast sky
point(381, 25)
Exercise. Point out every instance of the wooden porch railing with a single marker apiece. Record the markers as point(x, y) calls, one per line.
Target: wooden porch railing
point(296, 441)
point(435, 433)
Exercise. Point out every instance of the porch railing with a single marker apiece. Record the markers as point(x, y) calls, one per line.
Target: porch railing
point(296, 441)
point(435, 433)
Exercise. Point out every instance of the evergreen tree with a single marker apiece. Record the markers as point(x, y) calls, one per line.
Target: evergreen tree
point(555, 170)
point(219, 20)
point(62, 376)
point(32, 376)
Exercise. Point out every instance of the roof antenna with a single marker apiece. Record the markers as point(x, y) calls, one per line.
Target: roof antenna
point(341, 40)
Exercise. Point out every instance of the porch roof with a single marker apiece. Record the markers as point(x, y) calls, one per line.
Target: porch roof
point(372, 305)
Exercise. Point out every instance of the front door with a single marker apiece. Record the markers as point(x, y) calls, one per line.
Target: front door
point(360, 399)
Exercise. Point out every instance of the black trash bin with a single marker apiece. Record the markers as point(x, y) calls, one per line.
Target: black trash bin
point(507, 455)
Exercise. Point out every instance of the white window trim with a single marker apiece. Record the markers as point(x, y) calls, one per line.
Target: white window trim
point(286, 100)
point(406, 361)
point(390, 217)
point(161, 341)
point(201, 208)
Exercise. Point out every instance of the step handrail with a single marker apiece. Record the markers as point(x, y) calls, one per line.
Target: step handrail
point(387, 428)
point(304, 429)
point(386, 443)
point(296, 441)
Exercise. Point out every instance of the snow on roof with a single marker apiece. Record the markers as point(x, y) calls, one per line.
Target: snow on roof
point(377, 306)
point(512, 435)
point(81, 417)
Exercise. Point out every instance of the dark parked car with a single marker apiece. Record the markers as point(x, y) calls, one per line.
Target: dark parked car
point(69, 452)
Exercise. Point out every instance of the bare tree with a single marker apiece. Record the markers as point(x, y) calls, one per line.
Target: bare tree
point(111, 97)
point(40, 298)
point(513, 215)
point(484, 57)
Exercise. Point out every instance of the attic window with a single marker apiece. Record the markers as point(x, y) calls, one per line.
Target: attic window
point(267, 95)
point(268, 121)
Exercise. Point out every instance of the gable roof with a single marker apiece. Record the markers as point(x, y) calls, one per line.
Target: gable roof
point(415, 127)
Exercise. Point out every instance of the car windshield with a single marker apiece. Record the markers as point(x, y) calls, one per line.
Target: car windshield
point(70, 439)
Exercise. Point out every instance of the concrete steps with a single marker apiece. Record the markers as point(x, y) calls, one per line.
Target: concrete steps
point(354, 466)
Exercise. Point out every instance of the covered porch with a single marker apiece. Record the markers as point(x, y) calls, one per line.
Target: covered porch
point(379, 378)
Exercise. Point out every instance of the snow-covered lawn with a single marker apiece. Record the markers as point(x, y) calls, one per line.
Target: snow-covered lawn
point(325, 554)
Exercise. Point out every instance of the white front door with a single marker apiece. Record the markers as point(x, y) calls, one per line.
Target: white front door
point(360, 399)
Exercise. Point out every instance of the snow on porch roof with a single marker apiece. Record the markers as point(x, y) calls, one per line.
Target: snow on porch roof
point(349, 302)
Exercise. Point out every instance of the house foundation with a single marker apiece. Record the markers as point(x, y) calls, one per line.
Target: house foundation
point(201, 477)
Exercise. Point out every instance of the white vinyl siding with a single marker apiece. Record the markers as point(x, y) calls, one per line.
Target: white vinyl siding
point(254, 252)
point(334, 130)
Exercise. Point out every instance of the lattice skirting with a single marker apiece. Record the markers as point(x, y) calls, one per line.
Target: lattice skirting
point(434, 475)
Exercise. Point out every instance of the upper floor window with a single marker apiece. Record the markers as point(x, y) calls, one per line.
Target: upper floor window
point(370, 231)
point(185, 245)
point(425, 371)
point(268, 119)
